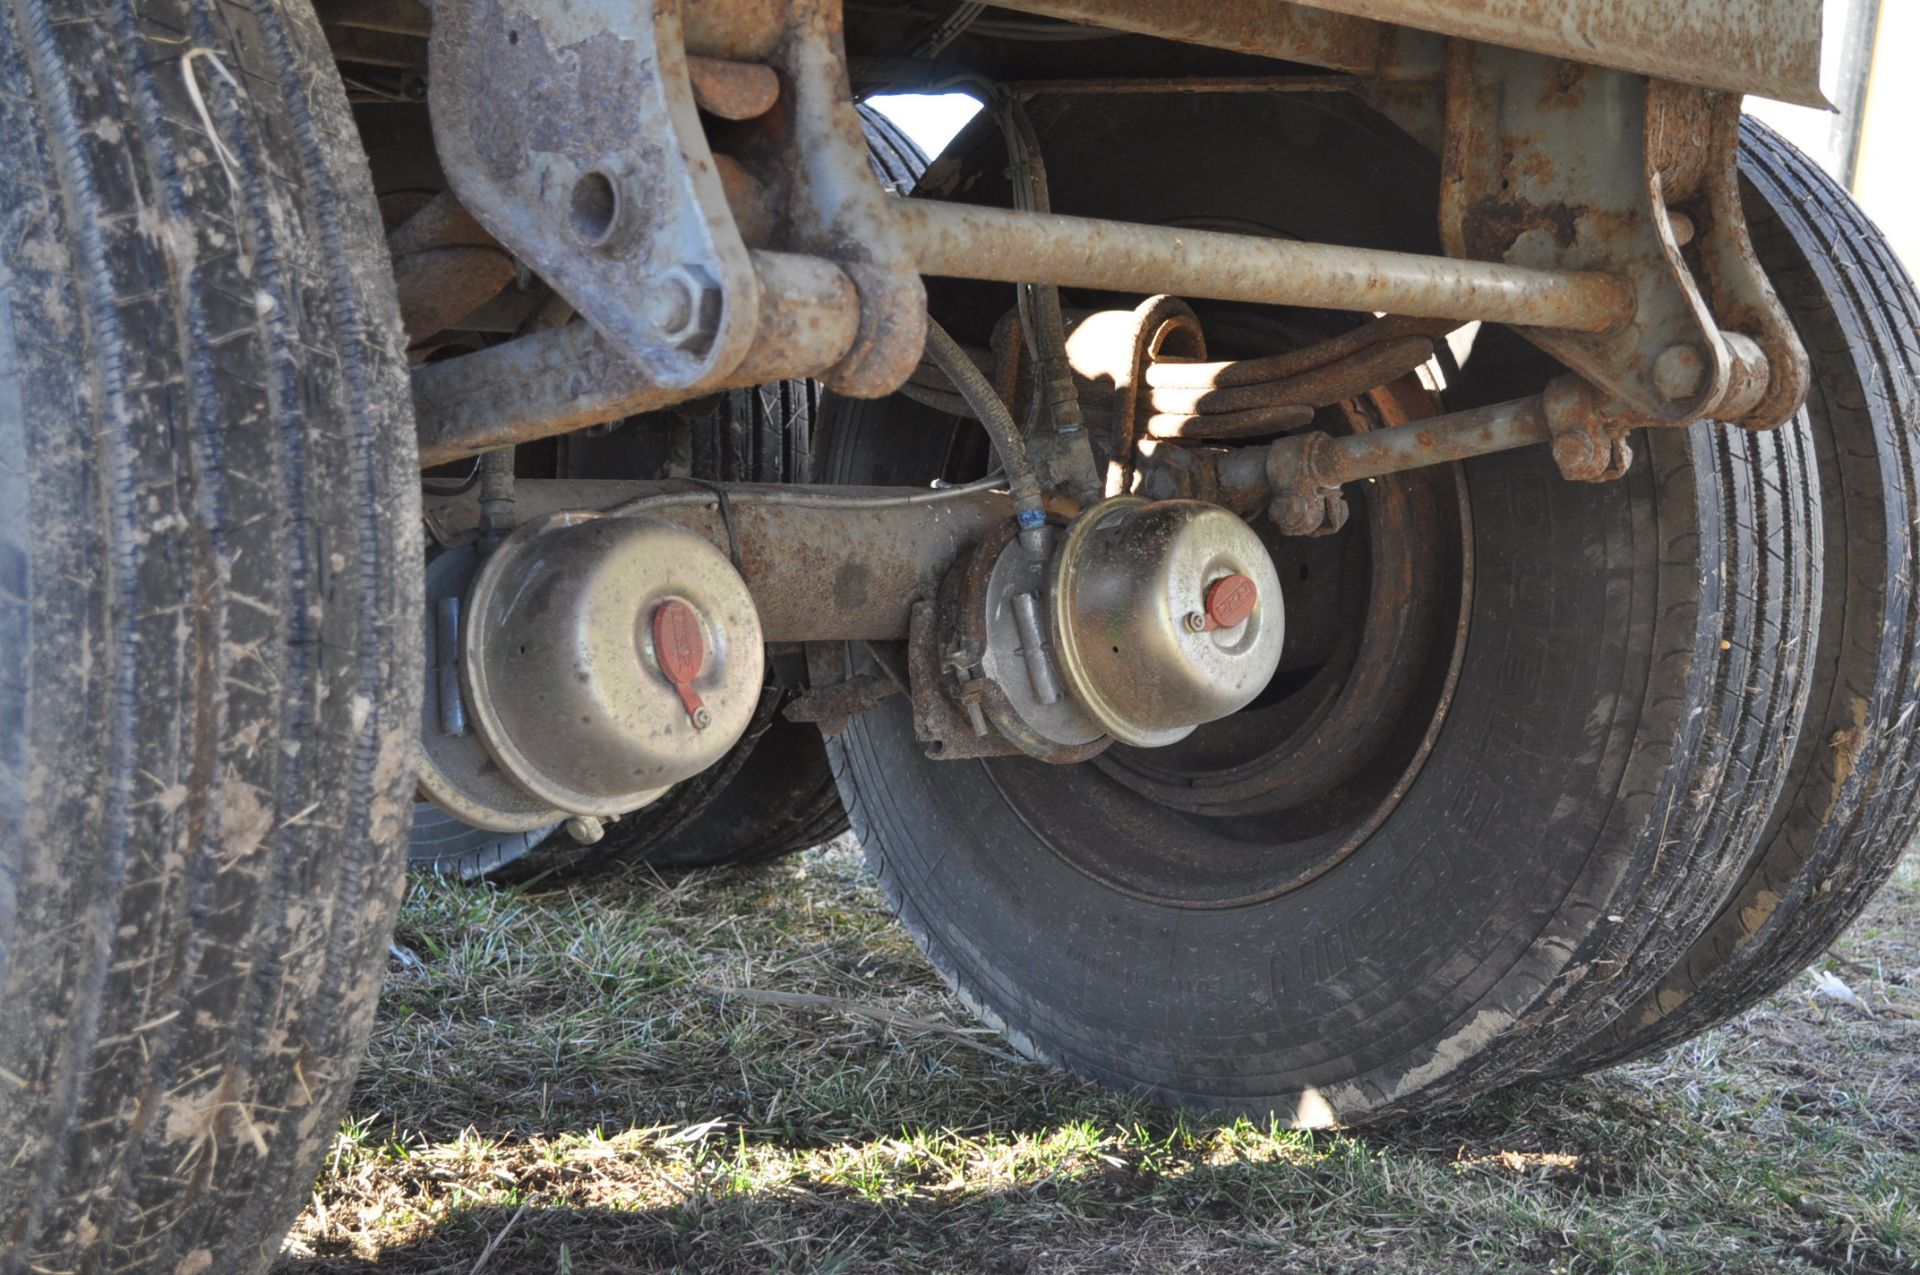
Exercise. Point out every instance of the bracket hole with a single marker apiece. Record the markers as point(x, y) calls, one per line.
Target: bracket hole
point(593, 207)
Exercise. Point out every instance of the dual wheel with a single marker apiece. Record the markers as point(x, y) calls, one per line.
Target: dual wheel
point(1651, 754)
point(1559, 773)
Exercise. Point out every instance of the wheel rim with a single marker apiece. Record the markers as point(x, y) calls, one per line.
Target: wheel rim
point(1265, 801)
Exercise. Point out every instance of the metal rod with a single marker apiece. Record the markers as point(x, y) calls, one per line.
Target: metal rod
point(568, 377)
point(969, 242)
point(1245, 478)
point(1033, 648)
point(446, 667)
point(1479, 431)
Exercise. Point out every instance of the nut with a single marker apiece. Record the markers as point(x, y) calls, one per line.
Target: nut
point(1298, 514)
point(683, 306)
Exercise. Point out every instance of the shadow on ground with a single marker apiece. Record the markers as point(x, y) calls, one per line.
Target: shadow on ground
point(754, 1071)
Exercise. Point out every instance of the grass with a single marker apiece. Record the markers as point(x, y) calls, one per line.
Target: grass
point(754, 1071)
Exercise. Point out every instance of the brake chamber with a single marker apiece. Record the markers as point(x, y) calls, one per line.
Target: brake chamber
point(588, 662)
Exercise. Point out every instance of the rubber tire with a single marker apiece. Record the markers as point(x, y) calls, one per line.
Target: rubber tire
point(782, 801)
point(448, 847)
point(1658, 614)
point(1850, 810)
point(209, 637)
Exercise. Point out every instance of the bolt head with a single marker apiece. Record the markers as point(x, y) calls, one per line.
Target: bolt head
point(1679, 372)
point(702, 718)
point(682, 306)
point(1195, 622)
point(670, 307)
point(1573, 453)
point(585, 829)
point(1294, 514)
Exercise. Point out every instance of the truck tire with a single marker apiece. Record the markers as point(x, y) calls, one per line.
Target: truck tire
point(1422, 930)
point(1849, 811)
point(209, 663)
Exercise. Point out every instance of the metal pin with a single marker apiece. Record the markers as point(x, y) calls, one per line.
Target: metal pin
point(1033, 646)
point(446, 648)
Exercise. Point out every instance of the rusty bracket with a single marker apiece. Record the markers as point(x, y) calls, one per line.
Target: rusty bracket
point(572, 133)
point(1554, 164)
point(1589, 446)
point(1708, 219)
point(578, 134)
point(946, 730)
point(800, 175)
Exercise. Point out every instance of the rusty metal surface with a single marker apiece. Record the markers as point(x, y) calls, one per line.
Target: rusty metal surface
point(830, 706)
point(1768, 47)
point(823, 563)
point(970, 242)
point(445, 266)
point(1251, 422)
point(1173, 373)
point(946, 731)
point(739, 30)
point(1012, 662)
point(396, 17)
point(1743, 300)
point(809, 155)
point(732, 90)
point(1265, 28)
point(572, 376)
point(827, 573)
point(967, 710)
point(571, 132)
point(1114, 352)
point(438, 287)
point(1551, 164)
point(1344, 378)
point(1316, 460)
point(1185, 85)
point(1303, 473)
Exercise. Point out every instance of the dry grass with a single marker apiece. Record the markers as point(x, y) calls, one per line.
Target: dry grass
point(754, 1071)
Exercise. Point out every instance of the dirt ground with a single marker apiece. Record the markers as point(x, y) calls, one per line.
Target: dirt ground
point(754, 1071)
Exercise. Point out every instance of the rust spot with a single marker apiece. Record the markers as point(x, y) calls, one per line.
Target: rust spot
point(1494, 225)
point(1567, 89)
point(850, 584)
